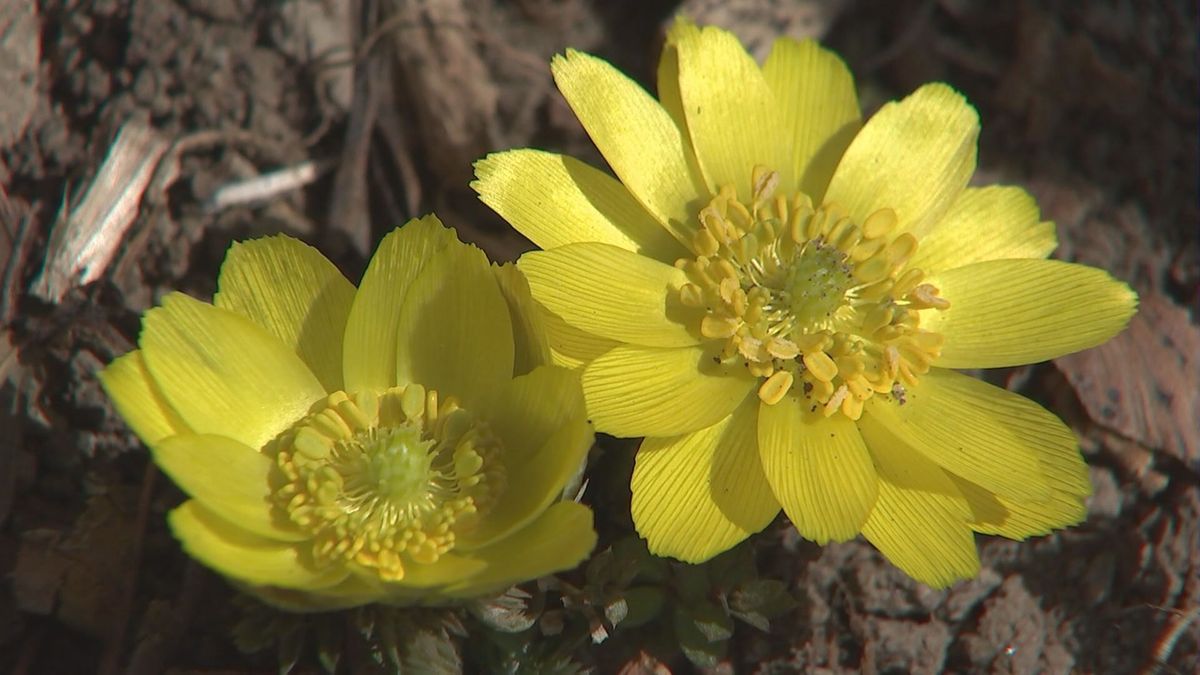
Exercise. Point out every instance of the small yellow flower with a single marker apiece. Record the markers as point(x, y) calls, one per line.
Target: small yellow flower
point(346, 446)
point(774, 295)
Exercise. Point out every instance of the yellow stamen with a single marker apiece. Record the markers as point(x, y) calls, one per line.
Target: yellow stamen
point(807, 298)
point(775, 387)
point(386, 480)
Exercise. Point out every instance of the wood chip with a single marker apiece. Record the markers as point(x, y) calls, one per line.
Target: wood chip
point(83, 243)
point(1144, 384)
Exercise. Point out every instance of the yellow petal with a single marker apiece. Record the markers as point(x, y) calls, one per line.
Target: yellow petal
point(982, 433)
point(351, 592)
point(449, 568)
point(571, 347)
point(819, 106)
point(639, 139)
point(223, 373)
point(245, 557)
point(1021, 519)
point(558, 540)
point(369, 348)
point(905, 468)
point(918, 534)
point(697, 495)
point(228, 478)
point(989, 223)
point(920, 519)
point(644, 391)
point(667, 81)
point(914, 156)
point(533, 407)
point(1062, 467)
point(819, 469)
point(1011, 312)
point(556, 200)
point(732, 116)
point(138, 399)
point(531, 344)
point(454, 331)
point(540, 459)
point(290, 289)
point(612, 293)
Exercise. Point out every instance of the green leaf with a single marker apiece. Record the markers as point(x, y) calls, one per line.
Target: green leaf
point(695, 643)
point(431, 652)
point(643, 603)
point(647, 568)
point(712, 621)
point(329, 642)
point(290, 644)
point(766, 597)
point(508, 613)
point(615, 611)
point(733, 567)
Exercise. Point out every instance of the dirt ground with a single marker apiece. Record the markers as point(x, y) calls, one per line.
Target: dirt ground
point(376, 109)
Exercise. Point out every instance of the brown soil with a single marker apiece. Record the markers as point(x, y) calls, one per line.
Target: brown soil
point(1091, 105)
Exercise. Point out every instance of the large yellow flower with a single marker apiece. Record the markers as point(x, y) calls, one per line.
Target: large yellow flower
point(774, 294)
point(342, 447)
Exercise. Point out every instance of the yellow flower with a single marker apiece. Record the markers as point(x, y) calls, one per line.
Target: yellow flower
point(346, 446)
point(774, 295)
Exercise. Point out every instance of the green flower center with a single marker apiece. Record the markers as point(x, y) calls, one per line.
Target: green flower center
point(385, 480)
point(808, 299)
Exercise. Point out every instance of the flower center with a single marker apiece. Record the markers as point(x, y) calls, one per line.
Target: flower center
point(810, 300)
point(385, 480)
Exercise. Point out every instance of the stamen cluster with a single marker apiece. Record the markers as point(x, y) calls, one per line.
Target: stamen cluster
point(382, 479)
point(809, 299)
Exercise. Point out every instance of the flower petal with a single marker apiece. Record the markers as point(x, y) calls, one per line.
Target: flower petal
point(988, 223)
point(246, 557)
point(228, 478)
point(558, 540)
point(351, 592)
point(920, 519)
point(818, 468)
point(1012, 312)
point(571, 347)
point(290, 289)
point(819, 105)
point(533, 407)
point(369, 348)
point(223, 373)
point(531, 344)
point(667, 83)
point(612, 293)
point(914, 156)
point(1019, 519)
point(543, 456)
point(624, 121)
point(645, 391)
point(454, 332)
point(984, 434)
point(556, 200)
point(697, 495)
point(138, 400)
point(918, 534)
point(732, 116)
point(448, 569)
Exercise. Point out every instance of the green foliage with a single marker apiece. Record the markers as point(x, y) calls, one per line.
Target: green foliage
point(368, 639)
point(630, 596)
point(622, 594)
